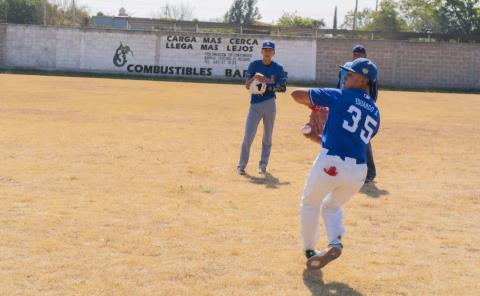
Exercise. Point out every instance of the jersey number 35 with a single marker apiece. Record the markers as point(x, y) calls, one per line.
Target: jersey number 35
point(367, 131)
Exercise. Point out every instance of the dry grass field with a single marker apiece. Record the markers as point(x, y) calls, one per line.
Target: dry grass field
point(121, 187)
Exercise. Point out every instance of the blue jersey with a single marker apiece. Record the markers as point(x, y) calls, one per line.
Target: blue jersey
point(273, 73)
point(353, 120)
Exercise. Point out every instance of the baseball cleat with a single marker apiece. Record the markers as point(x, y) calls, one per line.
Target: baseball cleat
point(324, 257)
point(310, 253)
point(262, 171)
point(240, 171)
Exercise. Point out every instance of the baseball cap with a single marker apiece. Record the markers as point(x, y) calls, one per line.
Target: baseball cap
point(268, 44)
point(364, 67)
point(359, 48)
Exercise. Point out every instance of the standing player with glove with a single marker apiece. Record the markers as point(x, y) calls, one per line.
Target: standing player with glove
point(262, 105)
point(340, 169)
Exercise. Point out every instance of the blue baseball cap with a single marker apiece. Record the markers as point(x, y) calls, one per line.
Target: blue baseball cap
point(268, 44)
point(363, 67)
point(359, 48)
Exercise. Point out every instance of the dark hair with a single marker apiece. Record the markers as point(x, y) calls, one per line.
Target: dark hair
point(373, 88)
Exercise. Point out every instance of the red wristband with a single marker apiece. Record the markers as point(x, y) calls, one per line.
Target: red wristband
point(314, 108)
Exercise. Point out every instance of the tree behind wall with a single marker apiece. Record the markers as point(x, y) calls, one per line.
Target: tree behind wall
point(243, 12)
point(422, 15)
point(181, 12)
point(294, 20)
point(363, 17)
point(386, 19)
point(20, 11)
point(58, 13)
point(460, 16)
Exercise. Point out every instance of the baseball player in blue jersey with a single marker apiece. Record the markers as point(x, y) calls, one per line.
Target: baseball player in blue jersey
point(262, 106)
point(359, 51)
point(340, 169)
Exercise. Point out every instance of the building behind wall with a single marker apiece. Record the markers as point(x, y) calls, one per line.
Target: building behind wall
point(110, 22)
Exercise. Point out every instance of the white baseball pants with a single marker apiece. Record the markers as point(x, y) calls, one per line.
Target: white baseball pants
point(331, 183)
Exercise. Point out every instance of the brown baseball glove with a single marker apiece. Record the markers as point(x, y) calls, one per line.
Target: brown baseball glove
point(314, 128)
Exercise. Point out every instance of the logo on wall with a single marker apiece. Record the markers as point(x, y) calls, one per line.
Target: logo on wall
point(120, 57)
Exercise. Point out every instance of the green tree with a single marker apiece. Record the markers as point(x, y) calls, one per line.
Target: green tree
point(20, 11)
point(3, 11)
point(422, 15)
point(60, 13)
point(243, 12)
point(181, 12)
point(386, 19)
point(294, 20)
point(364, 17)
point(460, 16)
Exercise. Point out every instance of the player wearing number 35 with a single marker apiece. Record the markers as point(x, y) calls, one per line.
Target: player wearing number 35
point(340, 169)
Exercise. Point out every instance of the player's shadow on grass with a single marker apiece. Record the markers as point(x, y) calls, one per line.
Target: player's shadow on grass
point(313, 280)
point(372, 190)
point(268, 180)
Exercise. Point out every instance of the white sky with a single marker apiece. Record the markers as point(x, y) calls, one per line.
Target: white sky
point(206, 10)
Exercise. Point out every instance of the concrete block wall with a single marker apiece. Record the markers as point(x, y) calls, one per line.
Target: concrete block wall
point(407, 64)
point(92, 50)
point(3, 36)
point(36, 47)
point(99, 48)
point(48, 48)
point(401, 64)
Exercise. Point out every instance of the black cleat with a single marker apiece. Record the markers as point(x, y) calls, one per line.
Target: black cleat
point(310, 253)
point(324, 257)
point(240, 171)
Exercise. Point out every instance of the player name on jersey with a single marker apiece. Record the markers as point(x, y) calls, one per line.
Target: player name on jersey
point(364, 104)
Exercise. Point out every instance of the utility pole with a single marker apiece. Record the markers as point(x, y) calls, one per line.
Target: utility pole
point(44, 12)
point(376, 6)
point(73, 12)
point(355, 15)
point(335, 19)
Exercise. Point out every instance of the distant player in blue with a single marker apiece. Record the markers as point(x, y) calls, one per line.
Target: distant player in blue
point(262, 106)
point(359, 51)
point(340, 169)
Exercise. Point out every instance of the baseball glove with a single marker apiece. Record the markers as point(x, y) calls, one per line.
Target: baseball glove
point(314, 128)
point(257, 87)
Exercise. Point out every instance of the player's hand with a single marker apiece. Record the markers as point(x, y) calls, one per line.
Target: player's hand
point(316, 124)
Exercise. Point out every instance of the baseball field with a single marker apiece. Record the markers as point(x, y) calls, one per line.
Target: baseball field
point(128, 187)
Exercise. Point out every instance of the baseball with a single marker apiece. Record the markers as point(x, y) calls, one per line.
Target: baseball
point(306, 129)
